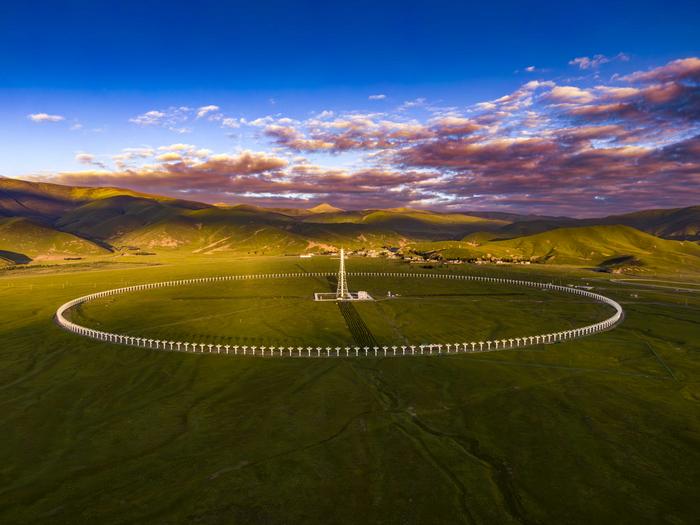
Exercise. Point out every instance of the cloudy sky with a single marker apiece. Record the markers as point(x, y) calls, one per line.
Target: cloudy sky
point(550, 109)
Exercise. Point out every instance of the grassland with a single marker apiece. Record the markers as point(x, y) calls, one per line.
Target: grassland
point(600, 430)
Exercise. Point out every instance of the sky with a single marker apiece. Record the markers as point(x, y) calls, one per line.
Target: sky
point(550, 108)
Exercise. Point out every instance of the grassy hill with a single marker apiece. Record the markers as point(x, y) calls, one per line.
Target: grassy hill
point(678, 223)
point(80, 220)
point(115, 216)
point(52, 201)
point(250, 231)
point(23, 238)
point(587, 245)
point(414, 223)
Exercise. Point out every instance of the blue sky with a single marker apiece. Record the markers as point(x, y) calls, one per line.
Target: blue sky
point(86, 71)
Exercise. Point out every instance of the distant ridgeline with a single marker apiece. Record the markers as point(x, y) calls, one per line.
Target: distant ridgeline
point(40, 221)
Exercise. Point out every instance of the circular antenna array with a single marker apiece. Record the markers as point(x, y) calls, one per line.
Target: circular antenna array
point(304, 351)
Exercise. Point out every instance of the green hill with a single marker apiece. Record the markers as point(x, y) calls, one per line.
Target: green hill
point(20, 198)
point(24, 237)
point(678, 223)
point(587, 245)
point(116, 218)
point(414, 223)
point(243, 230)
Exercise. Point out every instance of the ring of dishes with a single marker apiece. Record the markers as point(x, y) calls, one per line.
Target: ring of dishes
point(344, 351)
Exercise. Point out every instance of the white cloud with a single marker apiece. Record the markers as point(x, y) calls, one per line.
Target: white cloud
point(177, 147)
point(45, 117)
point(137, 153)
point(229, 122)
point(418, 102)
point(261, 122)
point(201, 153)
point(149, 118)
point(204, 110)
point(171, 118)
point(380, 96)
point(596, 61)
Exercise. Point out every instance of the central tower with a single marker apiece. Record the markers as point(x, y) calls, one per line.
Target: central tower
point(342, 290)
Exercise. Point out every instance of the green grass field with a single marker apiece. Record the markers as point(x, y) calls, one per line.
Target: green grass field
point(604, 429)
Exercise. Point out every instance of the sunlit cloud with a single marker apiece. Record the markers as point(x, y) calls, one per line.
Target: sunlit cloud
point(631, 142)
point(45, 117)
point(681, 69)
point(169, 157)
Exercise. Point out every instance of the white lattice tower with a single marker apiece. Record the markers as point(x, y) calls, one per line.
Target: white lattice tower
point(342, 291)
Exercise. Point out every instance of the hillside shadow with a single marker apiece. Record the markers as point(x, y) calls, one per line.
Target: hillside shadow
point(14, 257)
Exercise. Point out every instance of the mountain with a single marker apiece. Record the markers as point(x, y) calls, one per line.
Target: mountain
point(677, 223)
point(324, 208)
point(22, 239)
point(599, 245)
point(50, 220)
point(111, 217)
point(412, 223)
point(20, 198)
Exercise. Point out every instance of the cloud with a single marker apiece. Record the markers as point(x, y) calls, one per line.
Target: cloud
point(569, 94)
point(84, 158)
point(292, 138)
point(229, 122)
point(632, 142)
point(177, 147)
point(677, 70)
point(89, 159)
point(452, 125)
point(380, 96)
point(596, 61)
point(206, 110)
point(150, 118)
point(45, 117)
point(169, 157)
point(665, 98)
point(171, 175)
point(347, 133)
point(415, 103)
point(171, 118)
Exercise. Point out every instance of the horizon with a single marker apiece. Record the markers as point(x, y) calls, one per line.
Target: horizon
point(243, 105)
point(311, 206)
